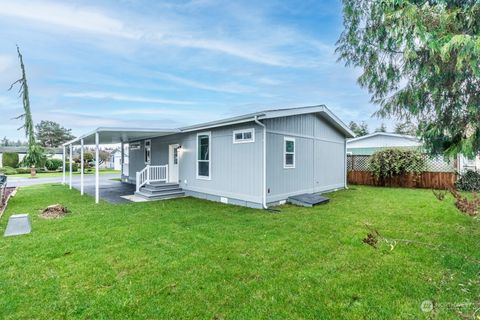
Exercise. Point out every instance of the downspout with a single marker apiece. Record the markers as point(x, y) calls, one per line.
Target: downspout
point(264, 184)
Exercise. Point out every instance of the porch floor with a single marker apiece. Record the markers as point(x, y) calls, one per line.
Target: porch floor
point(110, 191)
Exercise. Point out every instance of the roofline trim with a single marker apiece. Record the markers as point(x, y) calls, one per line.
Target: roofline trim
point(388, 134)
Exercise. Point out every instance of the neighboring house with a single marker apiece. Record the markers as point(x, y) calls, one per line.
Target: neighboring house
point(115, 161)
point(368, 144)
point(253, 160)
point(22, 152)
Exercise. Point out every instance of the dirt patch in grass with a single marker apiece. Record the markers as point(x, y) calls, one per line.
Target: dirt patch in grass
point(54, 211)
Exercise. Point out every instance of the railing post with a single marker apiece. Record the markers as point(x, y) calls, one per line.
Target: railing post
point(137, 181)
point(166, 173)
point(148, 174)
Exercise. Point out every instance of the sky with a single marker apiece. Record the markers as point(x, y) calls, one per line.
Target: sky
point(165, 64)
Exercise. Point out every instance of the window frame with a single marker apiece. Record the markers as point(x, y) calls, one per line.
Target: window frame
point(285, 165)
point(149, 151)
point(251, 140)
point(197, 161)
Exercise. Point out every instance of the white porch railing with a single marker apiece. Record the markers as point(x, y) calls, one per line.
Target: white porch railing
point(152, 174)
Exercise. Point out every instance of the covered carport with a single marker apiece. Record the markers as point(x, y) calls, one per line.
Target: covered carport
point(104, 136)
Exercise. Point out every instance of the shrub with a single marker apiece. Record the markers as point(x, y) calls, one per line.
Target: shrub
point(10, 159)
point(23, 170)
point(8, 170)
point(389, 163)
point(74, 166)
point(468, 181)
point(53, 164)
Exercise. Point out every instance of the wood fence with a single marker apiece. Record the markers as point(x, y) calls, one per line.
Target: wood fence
point(430, 180)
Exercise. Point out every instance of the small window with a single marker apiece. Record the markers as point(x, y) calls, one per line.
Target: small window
point(289, 153)
point(148, 151)
point(244, 136)
point(203, 156)
point(175, 155)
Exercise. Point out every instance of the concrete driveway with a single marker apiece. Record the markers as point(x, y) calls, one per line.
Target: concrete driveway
point(110, 191)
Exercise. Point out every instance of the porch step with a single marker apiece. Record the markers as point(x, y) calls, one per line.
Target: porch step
point(162, 195)
point(156, 188)
point(162, 184)
point(158, 191)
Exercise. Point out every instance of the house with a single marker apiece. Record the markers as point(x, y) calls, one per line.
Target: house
point(370, 143)
point(53, 153)
point(115, 161)
point(254, 160)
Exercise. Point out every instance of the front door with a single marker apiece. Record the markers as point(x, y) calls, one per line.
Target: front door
point(173, 163)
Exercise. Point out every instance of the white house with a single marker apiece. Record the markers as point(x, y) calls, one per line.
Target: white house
point(370, 143)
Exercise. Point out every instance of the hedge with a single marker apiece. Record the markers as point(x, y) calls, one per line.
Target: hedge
point(53, 164)
point(10, 159)
point(7, 170)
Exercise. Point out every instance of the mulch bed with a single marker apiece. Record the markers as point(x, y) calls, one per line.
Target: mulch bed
point(7, 193)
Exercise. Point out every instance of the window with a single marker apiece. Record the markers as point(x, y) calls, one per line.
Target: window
point(148, 151)
point(289, 153)
point(175, 155)
point(244, 136)
point(203, 155)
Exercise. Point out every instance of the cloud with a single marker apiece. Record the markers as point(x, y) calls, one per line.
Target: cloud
point(262, 45)
point(6, 62)
point(227, 88)
point(75, 17)
point(122, 97)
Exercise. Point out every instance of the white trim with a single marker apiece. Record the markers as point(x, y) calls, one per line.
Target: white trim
point(264, 169)
point(209, 134)
point(285, 165)
point(235, 132)
point(145, 151)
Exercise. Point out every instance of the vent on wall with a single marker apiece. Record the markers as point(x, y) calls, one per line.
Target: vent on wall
point(223, 200)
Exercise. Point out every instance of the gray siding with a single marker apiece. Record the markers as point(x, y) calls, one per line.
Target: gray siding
point(319, 157)
point(236, 169)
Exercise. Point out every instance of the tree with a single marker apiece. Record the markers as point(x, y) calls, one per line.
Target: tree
point(51, 135)
point(406, 127)
point(382, 128)
point(420, 59)
point(359, 130)
point(34, 156)
point(5, 142)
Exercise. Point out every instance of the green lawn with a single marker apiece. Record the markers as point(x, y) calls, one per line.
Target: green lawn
point(59, 174)
point(189, 258)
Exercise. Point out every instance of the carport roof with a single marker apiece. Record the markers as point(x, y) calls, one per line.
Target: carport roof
point(118, 135)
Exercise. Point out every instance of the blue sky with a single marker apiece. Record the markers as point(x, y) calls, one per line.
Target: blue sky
point(172, 63)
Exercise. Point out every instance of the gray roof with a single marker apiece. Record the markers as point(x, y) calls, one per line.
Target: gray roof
point(276, 113)
point(117, 135)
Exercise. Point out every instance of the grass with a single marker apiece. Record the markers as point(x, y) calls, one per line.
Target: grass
point(59, 174)
point(189, 258)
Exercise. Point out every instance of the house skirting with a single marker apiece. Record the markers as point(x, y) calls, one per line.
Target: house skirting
point(212, 197)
